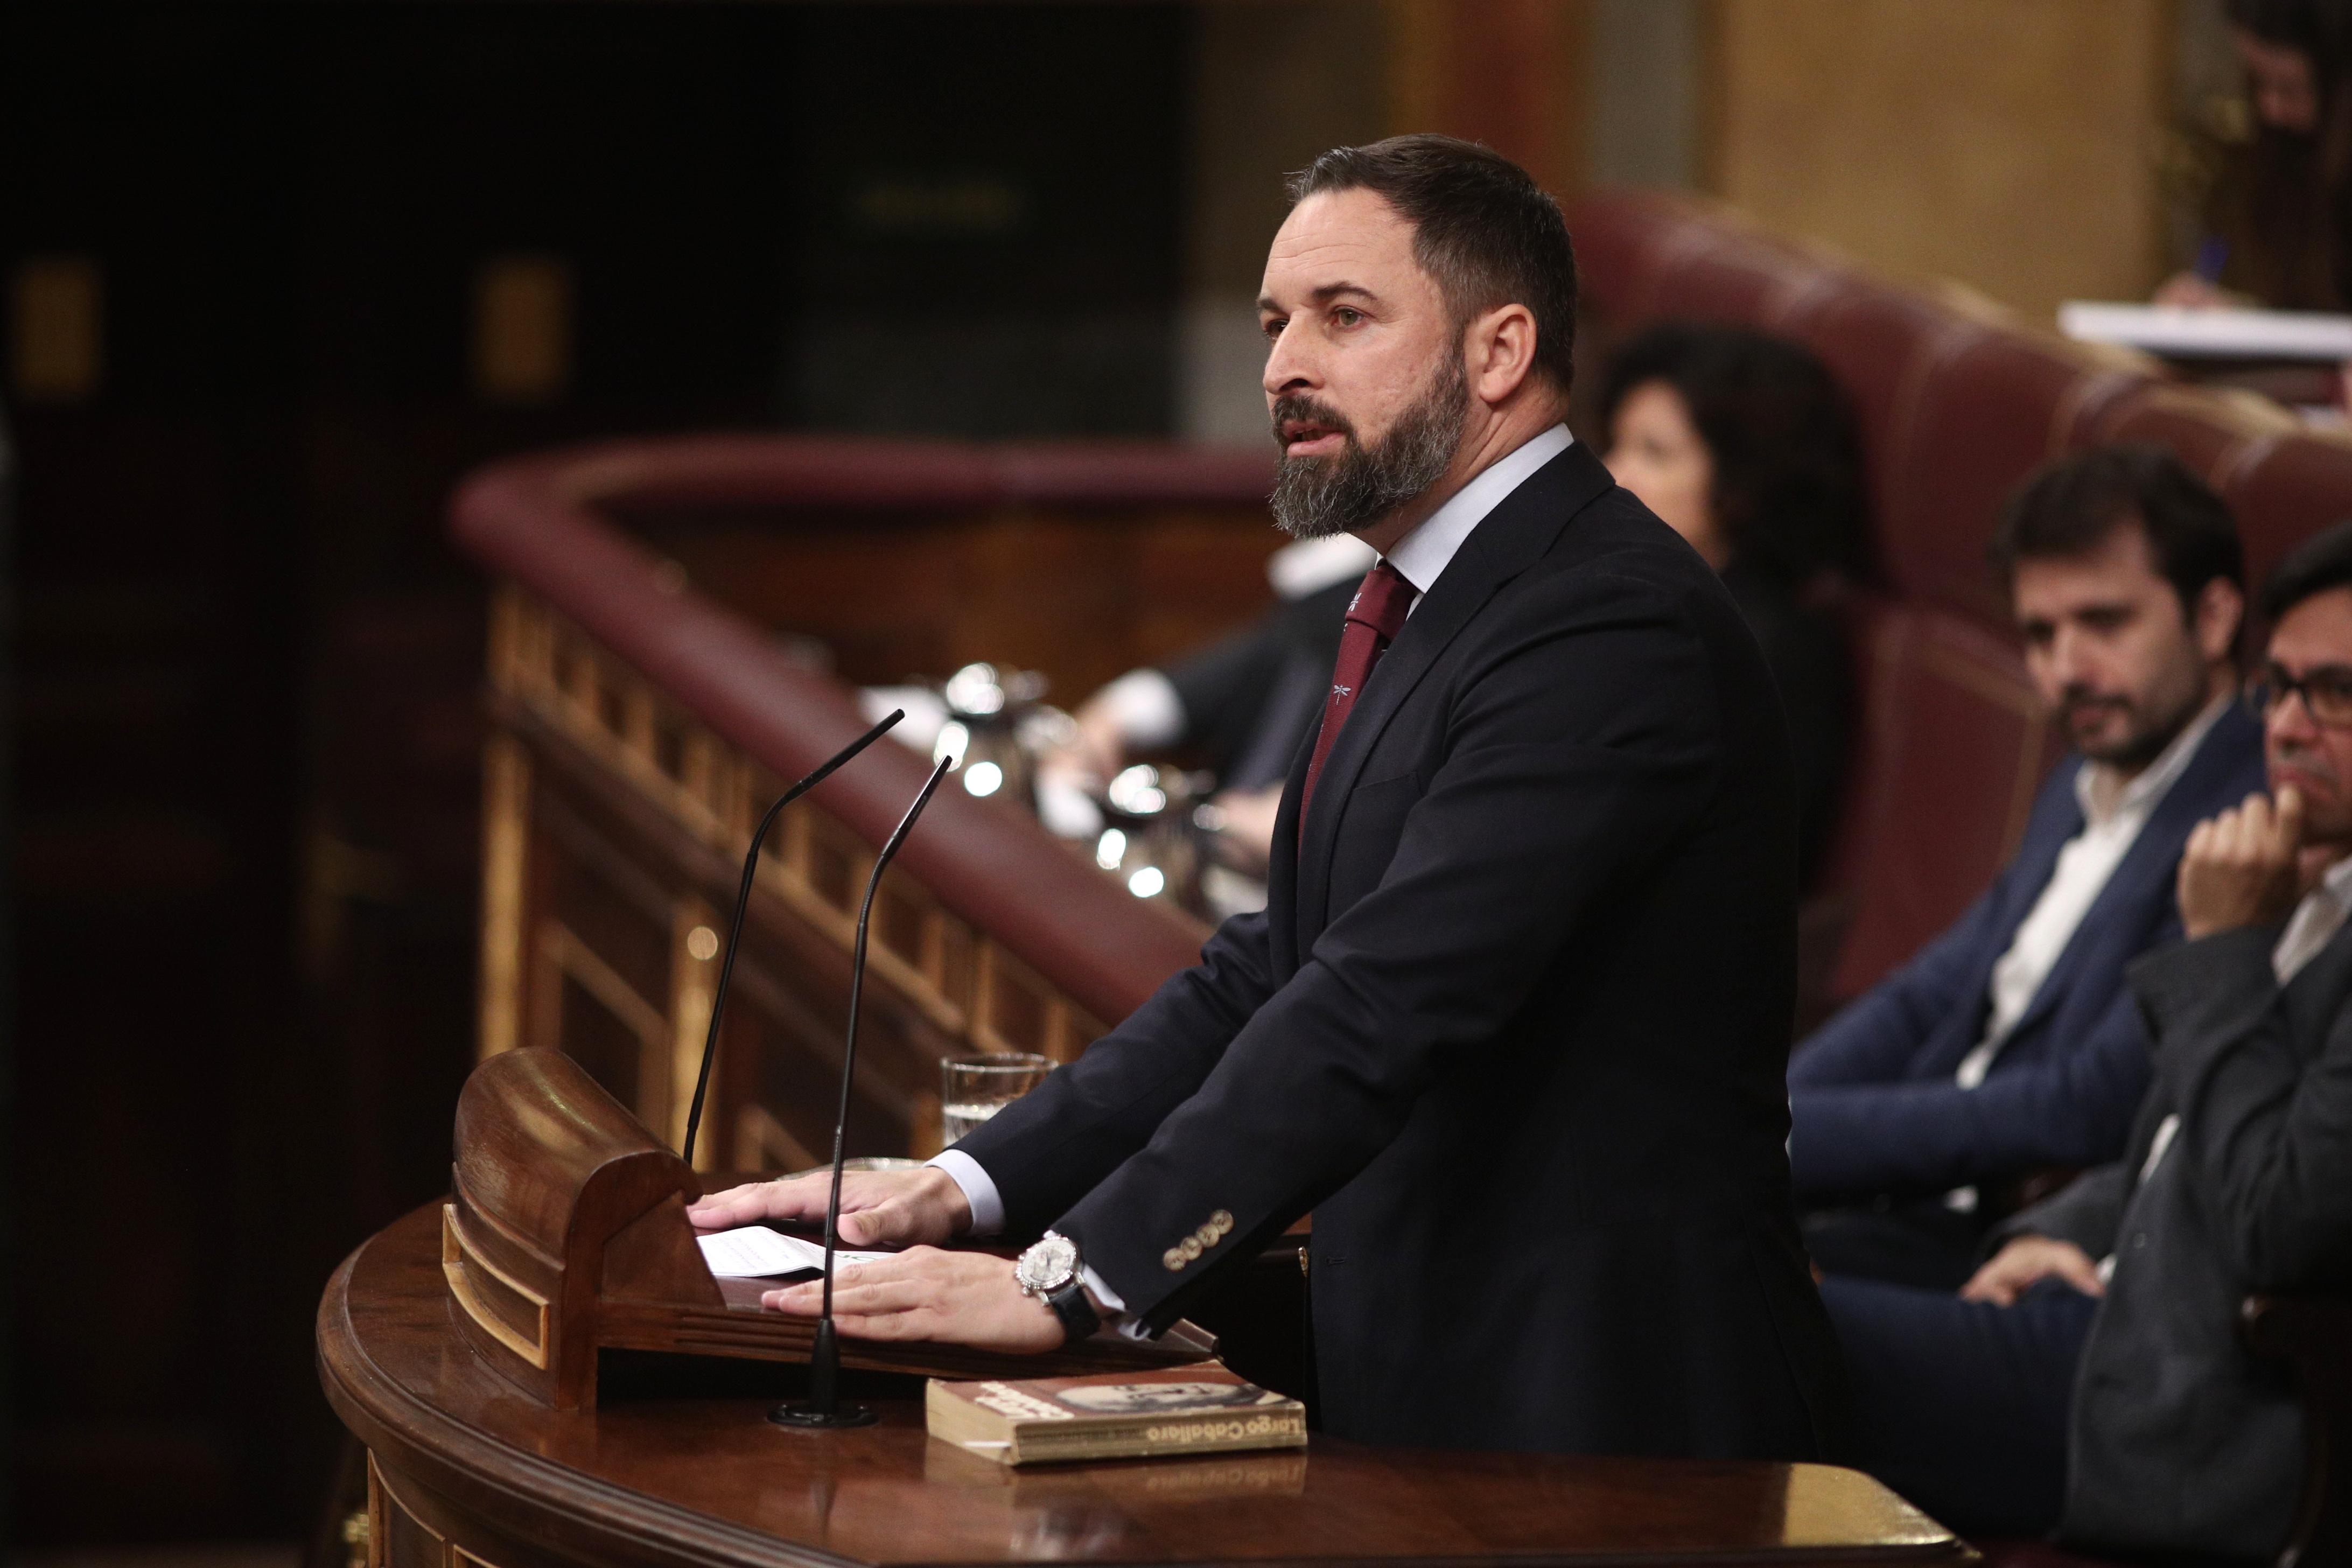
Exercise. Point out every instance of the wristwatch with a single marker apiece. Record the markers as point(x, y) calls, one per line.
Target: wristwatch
point(1049, 1271)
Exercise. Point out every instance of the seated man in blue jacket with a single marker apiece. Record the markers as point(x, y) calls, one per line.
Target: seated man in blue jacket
point(2010, 1045)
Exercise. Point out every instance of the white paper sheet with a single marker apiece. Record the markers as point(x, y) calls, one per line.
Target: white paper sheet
point(2196, 333)
point(755, 1252)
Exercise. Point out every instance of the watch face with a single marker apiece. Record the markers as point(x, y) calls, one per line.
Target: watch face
point(1049, 1265)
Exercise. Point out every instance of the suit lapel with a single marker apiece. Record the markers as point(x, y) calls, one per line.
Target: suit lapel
point(1505, 543)
point(2318, 994)
point(1282, 867)
point(2152, 856)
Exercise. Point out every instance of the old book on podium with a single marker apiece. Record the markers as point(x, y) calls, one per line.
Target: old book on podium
point(566, 1234)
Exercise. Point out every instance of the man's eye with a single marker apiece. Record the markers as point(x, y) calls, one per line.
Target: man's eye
point(1347, 317)
point(1274, 328)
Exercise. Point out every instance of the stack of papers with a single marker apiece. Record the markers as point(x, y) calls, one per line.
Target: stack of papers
point(2182, 333)
point(755, 1252)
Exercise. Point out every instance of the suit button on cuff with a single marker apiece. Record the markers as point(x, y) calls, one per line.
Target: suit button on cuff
point(1173, 1259)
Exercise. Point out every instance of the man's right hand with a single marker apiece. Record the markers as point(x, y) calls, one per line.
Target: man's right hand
point(2243, 867)
point(879, 1208)
point(2028, 1260)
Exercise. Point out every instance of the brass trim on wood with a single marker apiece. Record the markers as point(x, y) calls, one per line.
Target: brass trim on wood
point(695, 941)
point(381, 1496)
point(458, 1261)
point(506, 846)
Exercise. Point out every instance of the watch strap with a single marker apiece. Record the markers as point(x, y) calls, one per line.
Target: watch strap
point(1079, 1318)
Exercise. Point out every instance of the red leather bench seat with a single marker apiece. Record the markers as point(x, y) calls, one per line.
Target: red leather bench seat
point(1949, 753)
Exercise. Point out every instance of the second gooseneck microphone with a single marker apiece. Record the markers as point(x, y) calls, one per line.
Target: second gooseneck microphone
point(823, 1407)
point(743, 901)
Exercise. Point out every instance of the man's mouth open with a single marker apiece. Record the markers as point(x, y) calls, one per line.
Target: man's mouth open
point(1307, 438)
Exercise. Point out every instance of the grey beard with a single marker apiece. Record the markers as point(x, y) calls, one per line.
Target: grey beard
point(1315, 497)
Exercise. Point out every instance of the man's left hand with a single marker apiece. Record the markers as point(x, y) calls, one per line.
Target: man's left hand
point(923, 1293)
point(2243, 867)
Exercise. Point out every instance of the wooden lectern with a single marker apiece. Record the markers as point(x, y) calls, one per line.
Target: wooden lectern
point(565, 1233)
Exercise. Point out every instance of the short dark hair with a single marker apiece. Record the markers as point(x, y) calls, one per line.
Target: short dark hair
point(2069, 508)
point(1788, 487)
point(1482, 228)
point(2320, 562)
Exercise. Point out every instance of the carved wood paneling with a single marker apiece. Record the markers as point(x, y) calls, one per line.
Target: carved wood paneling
point(571, 870)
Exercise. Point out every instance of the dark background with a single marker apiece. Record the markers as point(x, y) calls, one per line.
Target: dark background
point(243, 661)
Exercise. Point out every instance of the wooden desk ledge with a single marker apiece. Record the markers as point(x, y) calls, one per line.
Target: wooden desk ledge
point(466, 1470)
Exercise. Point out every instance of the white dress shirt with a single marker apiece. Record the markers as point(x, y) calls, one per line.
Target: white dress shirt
point(1420, 558)
point(2114, 810)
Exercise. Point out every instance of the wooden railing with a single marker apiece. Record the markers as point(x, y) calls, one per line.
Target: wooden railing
point(639, 729)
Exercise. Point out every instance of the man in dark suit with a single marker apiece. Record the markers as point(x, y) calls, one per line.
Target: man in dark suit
point(2092, 1374)
point(2010, 1045)
point(1513, 1022)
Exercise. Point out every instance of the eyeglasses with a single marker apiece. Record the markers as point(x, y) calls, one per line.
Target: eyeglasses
point(2326, 693)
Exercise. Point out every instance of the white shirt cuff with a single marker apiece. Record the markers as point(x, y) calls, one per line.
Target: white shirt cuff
point(1145, 706)
point(988, 1219)
point(979, 1190)
point(1113, 1306)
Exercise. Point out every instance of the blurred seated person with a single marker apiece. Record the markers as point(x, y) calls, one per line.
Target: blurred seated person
point(2091, 1375)
point(2010, 1045)
point(2278, 215)
point(1247, 700)
point(1744, 445)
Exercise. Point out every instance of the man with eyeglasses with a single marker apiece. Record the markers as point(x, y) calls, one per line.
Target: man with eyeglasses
point(2092, 1369)
point(2010, 1045)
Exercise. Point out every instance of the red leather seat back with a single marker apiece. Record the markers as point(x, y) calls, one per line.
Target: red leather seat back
point(1881, 344)
point(1742, 279)
point(2217, 434)
point(2286, 492)
point(1951, 749)
point(1626, 241)
point(1994, 405)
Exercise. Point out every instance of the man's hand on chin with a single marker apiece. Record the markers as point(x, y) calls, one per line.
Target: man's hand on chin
point(2244, 868)
point(879, 1208)
point(952, 1297)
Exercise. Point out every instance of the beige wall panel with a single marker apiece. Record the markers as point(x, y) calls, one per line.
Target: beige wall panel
point(2008, 144)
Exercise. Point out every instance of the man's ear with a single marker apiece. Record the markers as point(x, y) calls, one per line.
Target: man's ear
point(2221, 613)
point(1499, 353)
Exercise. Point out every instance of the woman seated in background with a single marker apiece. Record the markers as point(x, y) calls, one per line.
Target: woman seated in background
point(1745, 447)
point(2279, 216)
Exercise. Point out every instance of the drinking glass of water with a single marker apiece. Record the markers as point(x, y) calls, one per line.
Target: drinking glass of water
point(973, 1089)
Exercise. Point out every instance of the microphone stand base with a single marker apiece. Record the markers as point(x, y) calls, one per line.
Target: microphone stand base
point(808, 1416)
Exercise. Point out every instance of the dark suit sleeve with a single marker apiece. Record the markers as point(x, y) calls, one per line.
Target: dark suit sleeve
point(1870, 1044)
point(2088, 1211)
point(1223, 686)
point(2266, 1133)
point(1584, 740)
point(1044, 1150)
point(2074, 1109)
point(1873, 1038)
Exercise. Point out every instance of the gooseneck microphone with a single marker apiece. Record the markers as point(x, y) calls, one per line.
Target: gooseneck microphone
point(823, 1407)
point(743, 901)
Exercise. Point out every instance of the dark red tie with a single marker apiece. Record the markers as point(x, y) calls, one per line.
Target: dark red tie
point(1375, 616)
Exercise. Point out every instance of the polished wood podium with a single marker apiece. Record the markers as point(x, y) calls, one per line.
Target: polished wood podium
point(677, 1464)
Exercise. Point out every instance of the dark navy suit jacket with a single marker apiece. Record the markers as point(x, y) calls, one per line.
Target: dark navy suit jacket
point(1873, 1102)
point(1472, 1032)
